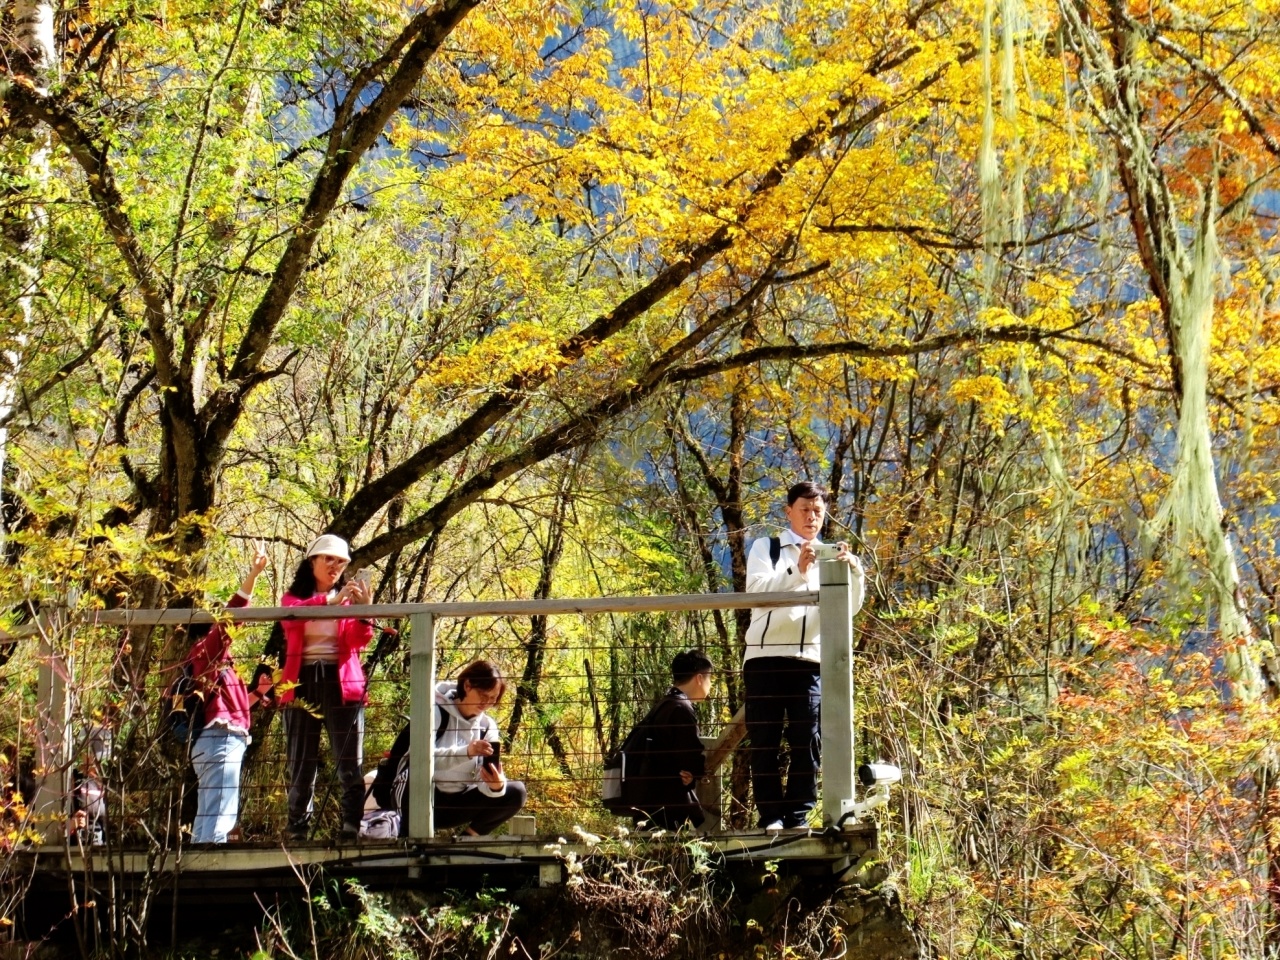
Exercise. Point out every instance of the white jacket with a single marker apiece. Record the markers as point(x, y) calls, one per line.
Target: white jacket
point(787, 631)
point(455, 771)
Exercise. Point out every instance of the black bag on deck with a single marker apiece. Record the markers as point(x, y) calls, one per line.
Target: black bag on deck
point(389, 767)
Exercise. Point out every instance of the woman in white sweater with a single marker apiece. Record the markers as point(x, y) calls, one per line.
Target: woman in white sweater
point(469, 786)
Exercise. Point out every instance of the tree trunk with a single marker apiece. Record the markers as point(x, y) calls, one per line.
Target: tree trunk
point(527, 690)
point(1185, 283)
point(22, 225)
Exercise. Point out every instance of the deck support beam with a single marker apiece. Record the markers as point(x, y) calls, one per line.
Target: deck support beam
point(51, 804)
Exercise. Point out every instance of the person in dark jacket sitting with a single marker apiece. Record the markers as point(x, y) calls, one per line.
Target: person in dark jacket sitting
point(674, 761)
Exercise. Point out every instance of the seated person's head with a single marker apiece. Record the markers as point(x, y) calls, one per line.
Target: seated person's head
point(691, 672)
point(480, 686)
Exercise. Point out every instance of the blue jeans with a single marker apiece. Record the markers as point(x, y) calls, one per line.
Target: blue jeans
point(216, 755)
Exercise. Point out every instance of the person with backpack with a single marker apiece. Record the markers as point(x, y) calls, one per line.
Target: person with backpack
point(470, 789)
point(218, 749)
point(323, 679)
point(669, 751)
point(781, 668)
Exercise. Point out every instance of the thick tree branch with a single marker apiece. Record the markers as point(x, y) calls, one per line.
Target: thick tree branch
point(508, 397)
point(354, 131)
point(934, 238)
point(586, 426)
point(70, 366)
point(773, 353)
point(1213, 77)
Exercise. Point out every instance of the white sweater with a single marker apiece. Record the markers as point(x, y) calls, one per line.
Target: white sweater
point(787, 631)
point(455, 771)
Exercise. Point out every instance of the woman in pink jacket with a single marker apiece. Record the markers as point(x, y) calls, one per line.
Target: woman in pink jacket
point(323, 678)
point(219, 747)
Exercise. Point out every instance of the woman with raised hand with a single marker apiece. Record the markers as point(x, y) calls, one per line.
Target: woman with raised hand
point(218, 750)
point(324, 684)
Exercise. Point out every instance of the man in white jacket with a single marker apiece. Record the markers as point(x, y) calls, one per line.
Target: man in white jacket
point(780, 671)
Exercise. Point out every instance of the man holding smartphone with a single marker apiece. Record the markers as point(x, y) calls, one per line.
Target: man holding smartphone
point(780, 670)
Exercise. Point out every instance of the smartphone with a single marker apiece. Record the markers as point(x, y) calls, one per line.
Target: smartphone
point(493, 759)
point(827, 551)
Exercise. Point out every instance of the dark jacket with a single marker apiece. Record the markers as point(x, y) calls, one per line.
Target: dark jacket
point(673, 745)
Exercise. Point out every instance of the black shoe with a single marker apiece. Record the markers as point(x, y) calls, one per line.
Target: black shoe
point(349, 833)
point(297, 831)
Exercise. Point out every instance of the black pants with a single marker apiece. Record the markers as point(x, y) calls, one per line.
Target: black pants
point(481, 812)
point(783, 700)
point(318, 703)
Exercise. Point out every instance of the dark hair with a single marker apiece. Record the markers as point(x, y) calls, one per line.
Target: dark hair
point(304, 580)
point(482, 675)
point(195, 631)
point(806, 490)
point(685, 666)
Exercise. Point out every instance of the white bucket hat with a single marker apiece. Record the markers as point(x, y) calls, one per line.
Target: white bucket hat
point(331, 546)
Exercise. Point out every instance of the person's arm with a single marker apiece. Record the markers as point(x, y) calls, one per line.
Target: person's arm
point(256, 566)
point(764, 577)
point(211, 649)
point(675, 727)
point(355, 634)
point(689, 744)
point(859, 584)
point(260, 692)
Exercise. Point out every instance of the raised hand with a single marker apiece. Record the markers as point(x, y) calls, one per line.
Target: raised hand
point(256, 566)
point(259, 561)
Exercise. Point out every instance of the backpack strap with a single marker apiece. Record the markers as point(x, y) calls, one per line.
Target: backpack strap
point(775, 554)
point(442, 723)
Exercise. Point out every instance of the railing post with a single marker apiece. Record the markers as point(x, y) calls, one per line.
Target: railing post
point(835, 607)
point(50, 806)
point(422, 724)
point(710, 791)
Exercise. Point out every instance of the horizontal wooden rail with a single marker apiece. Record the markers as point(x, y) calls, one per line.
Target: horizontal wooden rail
point(734, 732)
point(586, 606)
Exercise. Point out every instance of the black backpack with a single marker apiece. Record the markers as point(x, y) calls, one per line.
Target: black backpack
point(184, 706)
point(624, 769)
point(384, 777)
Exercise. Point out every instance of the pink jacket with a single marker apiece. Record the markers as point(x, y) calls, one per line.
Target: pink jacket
point(228, 697)
point(353, 637)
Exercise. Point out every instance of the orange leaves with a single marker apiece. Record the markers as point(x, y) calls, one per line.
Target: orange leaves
point(1156, 802)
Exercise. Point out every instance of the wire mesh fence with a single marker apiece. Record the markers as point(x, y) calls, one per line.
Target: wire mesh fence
point(575, 686)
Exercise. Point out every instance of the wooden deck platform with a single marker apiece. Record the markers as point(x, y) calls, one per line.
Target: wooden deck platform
point(245, 868)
